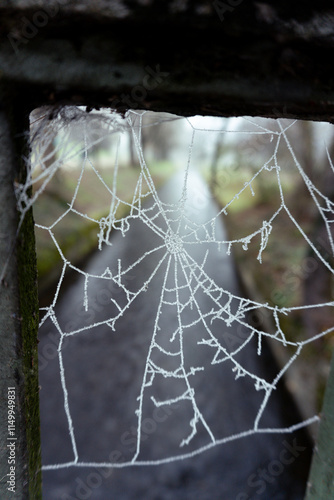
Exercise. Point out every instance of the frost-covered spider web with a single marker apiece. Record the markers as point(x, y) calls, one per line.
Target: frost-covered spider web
point(197, 338)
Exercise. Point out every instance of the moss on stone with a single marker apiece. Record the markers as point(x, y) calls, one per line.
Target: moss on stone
point(29, 316)
point(19, 302)
point(27, 277)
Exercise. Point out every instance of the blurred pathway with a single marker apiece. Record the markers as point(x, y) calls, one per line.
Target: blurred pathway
point(104, 372)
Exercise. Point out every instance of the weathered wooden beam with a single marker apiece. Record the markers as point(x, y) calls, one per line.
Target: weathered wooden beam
point(249, 58)
point(20, 464)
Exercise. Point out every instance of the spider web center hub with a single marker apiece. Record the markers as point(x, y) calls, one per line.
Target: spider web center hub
point(173, 243)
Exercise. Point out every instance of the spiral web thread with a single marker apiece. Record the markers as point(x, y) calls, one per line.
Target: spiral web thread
point(181, 271)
